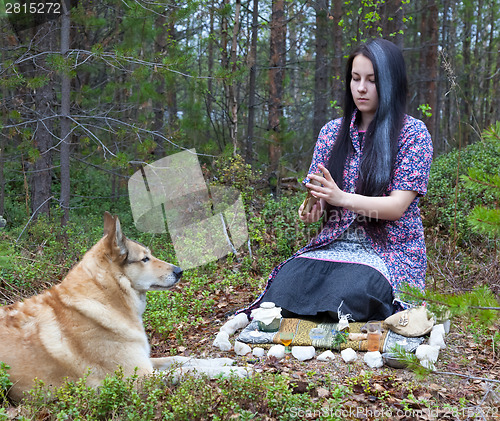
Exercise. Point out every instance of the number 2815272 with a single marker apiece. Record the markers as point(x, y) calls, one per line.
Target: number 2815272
point(32, 8)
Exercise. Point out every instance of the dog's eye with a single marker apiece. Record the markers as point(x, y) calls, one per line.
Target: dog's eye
point(146, 259)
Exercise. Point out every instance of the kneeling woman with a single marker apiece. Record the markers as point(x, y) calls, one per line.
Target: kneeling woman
point(372, 241)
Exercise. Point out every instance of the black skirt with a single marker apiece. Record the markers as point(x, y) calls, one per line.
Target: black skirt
point(313, 287)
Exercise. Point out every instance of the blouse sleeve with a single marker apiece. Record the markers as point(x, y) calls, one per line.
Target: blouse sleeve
point(413, 162)
point(324, 144)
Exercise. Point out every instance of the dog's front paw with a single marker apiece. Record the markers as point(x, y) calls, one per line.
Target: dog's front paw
point(236, 371)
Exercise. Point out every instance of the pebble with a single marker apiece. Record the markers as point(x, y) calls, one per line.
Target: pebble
point(303, 353)
point(241, 348)
point(427, 353)
point(349, 355)
point(374, 359)
point(238, 322)
point(258, 352)
point(428, 364)
point(222, 341)
point(447, 325)
point(436, 338)
point(277, 351)
point(325, 356)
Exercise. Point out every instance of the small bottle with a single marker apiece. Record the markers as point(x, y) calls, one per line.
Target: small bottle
point(374, 336)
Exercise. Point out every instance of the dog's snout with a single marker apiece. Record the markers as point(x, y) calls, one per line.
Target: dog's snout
point(177, 271)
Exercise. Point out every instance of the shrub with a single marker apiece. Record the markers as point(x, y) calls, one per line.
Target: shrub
point(449, 200)
point(284, 226)
point(486, 219)
point(118, 398)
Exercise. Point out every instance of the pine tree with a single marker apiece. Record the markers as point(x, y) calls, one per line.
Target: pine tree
point(483, 219)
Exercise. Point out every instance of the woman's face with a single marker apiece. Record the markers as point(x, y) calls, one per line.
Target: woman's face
point(363, 88)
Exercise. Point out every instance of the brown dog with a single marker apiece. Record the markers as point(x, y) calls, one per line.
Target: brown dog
point(91, 320)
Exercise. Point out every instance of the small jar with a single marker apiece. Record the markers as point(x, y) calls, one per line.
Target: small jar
point(271, 327)
point(374, 335)
point(268, 317)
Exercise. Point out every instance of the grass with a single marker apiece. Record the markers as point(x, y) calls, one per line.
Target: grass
point(186, 319)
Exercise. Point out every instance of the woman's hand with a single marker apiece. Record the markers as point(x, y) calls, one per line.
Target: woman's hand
point(314, 215)
point(390, 207)
point(329, 191)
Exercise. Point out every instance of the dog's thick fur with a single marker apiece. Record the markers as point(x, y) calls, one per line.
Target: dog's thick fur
point(91, 320)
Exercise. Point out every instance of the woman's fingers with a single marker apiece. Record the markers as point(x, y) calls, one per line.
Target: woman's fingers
point(313, 216)
point(325, 172)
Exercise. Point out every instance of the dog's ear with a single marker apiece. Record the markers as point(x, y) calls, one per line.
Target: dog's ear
point(120, 238)
point(115, 237)
point(109, 223)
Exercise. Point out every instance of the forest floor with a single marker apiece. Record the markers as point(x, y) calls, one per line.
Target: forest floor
point(460, 389)
point(466, 384)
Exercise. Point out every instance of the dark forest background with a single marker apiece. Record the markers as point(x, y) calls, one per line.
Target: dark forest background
point(116, 83)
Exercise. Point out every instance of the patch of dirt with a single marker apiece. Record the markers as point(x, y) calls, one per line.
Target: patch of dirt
point(458, 390)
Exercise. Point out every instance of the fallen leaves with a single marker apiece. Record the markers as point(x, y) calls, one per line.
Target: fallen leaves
point(387, 394)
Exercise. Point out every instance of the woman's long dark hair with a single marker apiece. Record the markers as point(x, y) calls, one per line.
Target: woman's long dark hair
point(381, 138)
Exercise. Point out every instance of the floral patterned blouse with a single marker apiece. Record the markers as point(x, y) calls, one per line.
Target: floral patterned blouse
point(404, 253)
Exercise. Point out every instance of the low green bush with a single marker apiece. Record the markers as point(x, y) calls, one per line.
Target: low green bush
point(118, 398)
point(194, 398)
point(450, 200)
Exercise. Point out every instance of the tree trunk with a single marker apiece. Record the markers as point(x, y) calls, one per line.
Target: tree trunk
point(224, 61)
point(232, 97)
point(276, 79)
point(321, 67)
point(338, 53)
point(171, 87)
point(41, 38)
point(160, 43)
point(65, 121)
point(430, 27)
point(493, 70)
point(252, 62)
point(496, 88)
point(2, 177)
point(480, 65)
point(2, 137)
point(450, 113)
point(439, 131)
point(467, 67)
point(210, 64)
point(393, 21)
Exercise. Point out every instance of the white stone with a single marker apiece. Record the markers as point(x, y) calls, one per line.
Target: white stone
point(427, 353)
point(303, 353)
point(277, 351)
point(241, 348)
point(428, 364)
point(222, 341)
point(258, 352)
point(436, 338)
point(349, 355)
point(447, 325)
point(238, 322)
point(325, 356)
point(266, 313)
point(374, 359)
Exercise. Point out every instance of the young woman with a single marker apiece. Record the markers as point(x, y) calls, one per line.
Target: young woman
point(373, 166)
